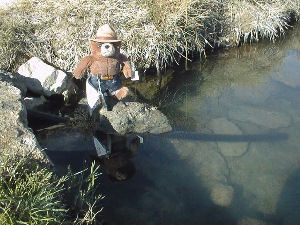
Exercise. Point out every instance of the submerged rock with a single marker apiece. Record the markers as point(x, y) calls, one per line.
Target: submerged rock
point(223, 126)
point(259, 116)
point(222, 194)
point(253, 94)
point(133, 117)
point(204, 160)
point(289, 72)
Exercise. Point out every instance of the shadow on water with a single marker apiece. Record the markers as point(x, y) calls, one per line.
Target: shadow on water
point(289, 202)
point(67, 147)
point(164, 190)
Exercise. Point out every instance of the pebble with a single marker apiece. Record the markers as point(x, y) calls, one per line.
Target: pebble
point(222, 194)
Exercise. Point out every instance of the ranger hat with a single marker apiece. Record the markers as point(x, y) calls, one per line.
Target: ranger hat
point(106, 33)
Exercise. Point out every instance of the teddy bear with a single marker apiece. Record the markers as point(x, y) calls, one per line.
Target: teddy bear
point(103, 67)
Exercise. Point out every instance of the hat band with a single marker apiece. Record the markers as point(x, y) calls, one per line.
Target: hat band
point(106, 38)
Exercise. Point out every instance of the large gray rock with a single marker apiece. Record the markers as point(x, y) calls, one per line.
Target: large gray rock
point(44, 79)
point(133, 117)
point(15, 137)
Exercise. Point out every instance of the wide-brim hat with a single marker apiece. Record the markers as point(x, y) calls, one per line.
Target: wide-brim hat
point(106, 33)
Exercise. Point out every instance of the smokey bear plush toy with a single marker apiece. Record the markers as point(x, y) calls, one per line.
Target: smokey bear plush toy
point(103, 68)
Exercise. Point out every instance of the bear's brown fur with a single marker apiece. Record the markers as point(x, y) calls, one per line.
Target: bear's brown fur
point(99, 66)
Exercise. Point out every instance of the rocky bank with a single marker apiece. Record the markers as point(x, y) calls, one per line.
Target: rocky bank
point(43, 81)
point(16, 137)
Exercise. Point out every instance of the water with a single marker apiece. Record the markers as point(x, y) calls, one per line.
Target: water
point(253, 90)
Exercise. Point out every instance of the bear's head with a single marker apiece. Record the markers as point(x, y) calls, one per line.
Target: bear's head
point(106, 44)
point(106, 49)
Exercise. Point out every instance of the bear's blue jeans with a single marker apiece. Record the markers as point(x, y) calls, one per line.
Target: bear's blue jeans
point(109, 86)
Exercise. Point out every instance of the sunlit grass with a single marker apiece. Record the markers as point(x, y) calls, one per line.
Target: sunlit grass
point(154, 33)
point(253, 20)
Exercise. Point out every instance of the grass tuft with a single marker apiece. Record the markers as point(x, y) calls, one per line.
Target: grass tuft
point(253, 20)
point(31, 194)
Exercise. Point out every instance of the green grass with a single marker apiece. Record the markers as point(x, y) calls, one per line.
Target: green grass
point(156, 33)
point(81, 196)
point(32, 194)
point(29, 194)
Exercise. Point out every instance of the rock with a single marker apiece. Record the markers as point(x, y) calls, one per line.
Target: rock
point(222, 194)
point(15, 137)
point(33, 103)
point(70, 90)
point(253, 95)
point(263, 173)
point(223, 126)
point(42, 78)
point(134, 117)
point(11, 79)
point(204, 159)
point(259, 116)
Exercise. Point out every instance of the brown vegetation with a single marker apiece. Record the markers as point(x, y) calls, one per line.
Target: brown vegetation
point(154, 33)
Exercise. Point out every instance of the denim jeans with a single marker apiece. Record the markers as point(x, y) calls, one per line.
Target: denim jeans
point(107, 86)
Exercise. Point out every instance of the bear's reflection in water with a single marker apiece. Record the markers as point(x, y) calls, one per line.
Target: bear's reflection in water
point(117, 163)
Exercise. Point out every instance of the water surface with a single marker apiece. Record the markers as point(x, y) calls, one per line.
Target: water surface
point(251, 90)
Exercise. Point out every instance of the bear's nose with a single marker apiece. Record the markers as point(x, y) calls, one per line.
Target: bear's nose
point(106, 46)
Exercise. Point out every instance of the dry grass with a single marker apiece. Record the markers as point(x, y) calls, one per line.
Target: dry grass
point(155, 33)
point(253, 20)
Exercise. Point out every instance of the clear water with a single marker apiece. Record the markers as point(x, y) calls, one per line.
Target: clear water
point(252, 90)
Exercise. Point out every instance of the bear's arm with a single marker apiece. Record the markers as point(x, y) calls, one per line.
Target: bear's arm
point(83, 66)
point(126, 66)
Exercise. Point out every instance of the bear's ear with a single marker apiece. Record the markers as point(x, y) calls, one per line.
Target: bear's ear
point(117, 44)
point(95, 47)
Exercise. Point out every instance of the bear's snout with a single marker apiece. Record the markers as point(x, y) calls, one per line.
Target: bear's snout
point(107, 50)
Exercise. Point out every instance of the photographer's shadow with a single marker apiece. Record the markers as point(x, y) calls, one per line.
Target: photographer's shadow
point(288, 207)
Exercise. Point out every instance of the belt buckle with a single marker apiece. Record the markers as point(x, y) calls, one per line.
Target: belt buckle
point(107, 77)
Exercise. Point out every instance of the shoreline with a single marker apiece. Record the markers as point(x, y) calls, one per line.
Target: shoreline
point(157, 35)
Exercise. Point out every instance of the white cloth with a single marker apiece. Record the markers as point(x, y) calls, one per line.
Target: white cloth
point(92, 95)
